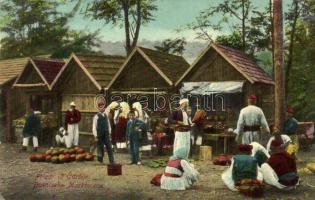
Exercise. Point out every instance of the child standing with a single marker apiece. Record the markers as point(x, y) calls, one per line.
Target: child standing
point(134, 131)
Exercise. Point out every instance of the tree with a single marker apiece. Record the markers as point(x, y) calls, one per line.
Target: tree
point(130, 14)
point(233, 40)
point(172, 46)
point(35, 28)
point(247, 23)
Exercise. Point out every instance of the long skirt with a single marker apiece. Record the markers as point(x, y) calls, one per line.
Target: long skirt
point(182, 140)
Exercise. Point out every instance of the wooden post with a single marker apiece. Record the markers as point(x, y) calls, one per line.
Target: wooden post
point(8, 118)
point(278, 63)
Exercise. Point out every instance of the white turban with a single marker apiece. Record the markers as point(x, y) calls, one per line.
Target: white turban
point(183, 101)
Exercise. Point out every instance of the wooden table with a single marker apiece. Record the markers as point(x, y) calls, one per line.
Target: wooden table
point(220, 135)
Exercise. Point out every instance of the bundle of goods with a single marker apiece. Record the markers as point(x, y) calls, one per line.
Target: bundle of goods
point(62, 156)
point(250, 187)
point(222, 160)
point(114, 170)
point(19, 122)
point(308, 169)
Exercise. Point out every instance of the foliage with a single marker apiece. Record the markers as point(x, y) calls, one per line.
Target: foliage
point(250, 27)
point(36, 28)
point(130, 14)
point(172, 46)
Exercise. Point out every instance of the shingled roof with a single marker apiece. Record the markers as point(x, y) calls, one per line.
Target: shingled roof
point(99, 68)
point(170, 67)
point(49, 68)
point(46, 68)
point(240, 61)
point(10, 69)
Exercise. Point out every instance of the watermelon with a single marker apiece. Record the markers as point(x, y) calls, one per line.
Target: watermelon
point(55, 159)
point(48, 158)
point(79, 151)
point(89, 157)
point(55, 152)
point(62, 158)
point(67, 158)
point(49, 152)
point(33, 158)
point(72, 157)
point(80, 157)
point(40, 157)
point(71, 151)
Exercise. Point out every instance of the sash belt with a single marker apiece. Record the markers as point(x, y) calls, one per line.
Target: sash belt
point(171, 175)
point(252, 128)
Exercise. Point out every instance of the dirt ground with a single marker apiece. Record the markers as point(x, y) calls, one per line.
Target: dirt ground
point(20, 179)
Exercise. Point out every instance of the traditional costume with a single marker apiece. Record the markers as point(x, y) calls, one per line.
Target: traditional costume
point(179, 173)
point(31, 129)
point(64, 138)
point(121, 119)
point(110, 113)
point(250, 122)
point(182, 132)
point(290, 128)
point(101, 134)
point(72, 119)
point(286, 141)
point(280, 169)
point(260, 153)
point(135, 128)
point(144, 117)
point(243, 167)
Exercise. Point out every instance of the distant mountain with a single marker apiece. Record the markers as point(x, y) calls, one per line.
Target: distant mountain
point(193, 49)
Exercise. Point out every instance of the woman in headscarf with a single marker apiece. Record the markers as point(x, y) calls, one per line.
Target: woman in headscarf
point(110, 112)
point(121, 119)
point(144, 117)
point(179, 173)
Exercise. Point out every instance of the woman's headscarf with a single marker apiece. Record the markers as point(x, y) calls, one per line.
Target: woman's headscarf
point(139, 114)
point(111, 106)
point(125, 110)
point(179, 154)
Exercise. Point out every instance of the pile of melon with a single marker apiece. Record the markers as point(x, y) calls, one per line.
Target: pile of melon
point(62, 155)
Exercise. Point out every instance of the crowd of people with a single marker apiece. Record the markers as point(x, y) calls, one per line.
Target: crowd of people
point(119, 126)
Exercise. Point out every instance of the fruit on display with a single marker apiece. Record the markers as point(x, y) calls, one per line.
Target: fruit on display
point(33, 158)
point(80, 157)
point(62, 155)
point(48, 158)
point(89, 157)
point(55, 159)
point(311, 167)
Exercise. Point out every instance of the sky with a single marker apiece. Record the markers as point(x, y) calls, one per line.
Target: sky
point(171, 14)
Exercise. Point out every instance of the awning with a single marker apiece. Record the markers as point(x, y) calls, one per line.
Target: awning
point(207, 88)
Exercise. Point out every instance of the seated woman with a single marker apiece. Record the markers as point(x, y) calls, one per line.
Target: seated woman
point(280, 169)
point(243, 167)
point(286, 140)
point(179, 173)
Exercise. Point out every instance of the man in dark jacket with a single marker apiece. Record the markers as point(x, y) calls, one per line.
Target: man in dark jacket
point(31, 129)
point(101, 134)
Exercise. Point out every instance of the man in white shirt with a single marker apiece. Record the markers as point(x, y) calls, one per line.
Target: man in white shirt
point(250, 122)
point(101, 134)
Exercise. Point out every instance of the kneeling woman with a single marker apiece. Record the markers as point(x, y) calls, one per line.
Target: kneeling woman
point(179, 173)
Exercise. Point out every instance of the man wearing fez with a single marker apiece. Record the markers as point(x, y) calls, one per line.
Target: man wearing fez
point(101, 133)
point(280, 169)
point(73, 117)
point(250, 122)
point(180, 119)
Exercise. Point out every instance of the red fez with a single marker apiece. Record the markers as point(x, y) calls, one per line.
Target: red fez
point(245, 147)
point(290, 110)
point(253, 97)
point(276, 143)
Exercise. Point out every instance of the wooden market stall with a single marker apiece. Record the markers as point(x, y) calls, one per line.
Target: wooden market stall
point(35, 82)
point(146, 75)
point(11, 99)
point(220, 80)
point(81, 79)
